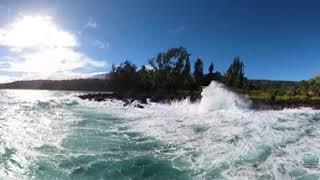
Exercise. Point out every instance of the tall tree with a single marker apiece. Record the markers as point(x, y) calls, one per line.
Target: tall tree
point(187, 81)
point(145, 78)
point(186, 69)
point(211, 76)
point(211, 68)
point(198, 72)
point(171, 69)
point(235, 74)
point(123, 77)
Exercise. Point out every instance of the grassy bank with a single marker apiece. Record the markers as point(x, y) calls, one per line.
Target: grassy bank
point(263, 95)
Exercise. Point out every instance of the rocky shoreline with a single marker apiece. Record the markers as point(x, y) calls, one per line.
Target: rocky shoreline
point(267, 104)
point(142, 100)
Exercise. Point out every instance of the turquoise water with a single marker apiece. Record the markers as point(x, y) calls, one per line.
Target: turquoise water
point(55, 135)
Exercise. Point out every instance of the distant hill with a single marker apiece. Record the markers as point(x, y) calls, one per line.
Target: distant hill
point(76, 84)
point(99, 84)
point(271, 84)
point(100, 76)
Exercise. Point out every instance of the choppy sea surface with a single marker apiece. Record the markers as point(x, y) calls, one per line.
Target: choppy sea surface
point(55, 135)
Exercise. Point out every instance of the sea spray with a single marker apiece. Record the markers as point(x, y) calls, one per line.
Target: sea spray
point(214, 98)
point(217, 97)
point(220, 137)
point(54, 134)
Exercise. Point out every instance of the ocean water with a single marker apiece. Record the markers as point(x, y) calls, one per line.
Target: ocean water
point(55, 135)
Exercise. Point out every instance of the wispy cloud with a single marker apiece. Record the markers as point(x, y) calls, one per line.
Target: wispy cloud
point(101, 44)
point(91, 23)
point(177, 29)
point(41, 49)
point(56, 76)
point(50, 61)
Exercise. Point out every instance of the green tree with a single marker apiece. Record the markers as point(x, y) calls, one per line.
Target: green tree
point(171, 69)
point(303, 87)
point(212, 76)
point(123, 77)
point(186, 74)
point(211, 68)
point(198, 72)
point(235, 74)
point(145, 79)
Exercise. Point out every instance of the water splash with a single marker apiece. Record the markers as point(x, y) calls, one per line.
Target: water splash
point(220, 137)
point(54, 134)
point(217, 97)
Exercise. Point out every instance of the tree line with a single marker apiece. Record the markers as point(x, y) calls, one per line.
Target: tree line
point(170, 72)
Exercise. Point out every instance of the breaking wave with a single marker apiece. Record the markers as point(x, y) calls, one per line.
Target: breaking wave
point(54, 134)
point(217, 97)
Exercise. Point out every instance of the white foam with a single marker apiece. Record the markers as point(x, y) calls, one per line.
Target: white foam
point(217, 97)
point(221, 129)
point(217, 132)
point(31, 119)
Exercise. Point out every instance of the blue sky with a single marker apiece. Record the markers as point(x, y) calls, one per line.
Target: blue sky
point(276, 40)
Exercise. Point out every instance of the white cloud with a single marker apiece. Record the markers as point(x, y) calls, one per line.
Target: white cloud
point(41, 49)
point(91, 23)
point(7, 79)
point(100, 44)
point(35, 32)
point(177, 29)
point(55, 76)
point(51, 61)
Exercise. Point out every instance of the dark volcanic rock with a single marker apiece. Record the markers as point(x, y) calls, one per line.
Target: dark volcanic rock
point(141, 99)
point(258, 104)
point(139, 106)
point(282, 104)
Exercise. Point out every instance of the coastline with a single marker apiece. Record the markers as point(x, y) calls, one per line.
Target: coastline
point(267, 104)
point(142, 99)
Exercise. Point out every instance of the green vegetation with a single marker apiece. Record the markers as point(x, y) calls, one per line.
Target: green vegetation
point(283, 90)
point(170, 73)
point(235, 74)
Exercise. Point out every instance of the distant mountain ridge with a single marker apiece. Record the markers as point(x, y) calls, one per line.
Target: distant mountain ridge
point(276, 84)
point(98, 83)
point(75, 84)
point(99, 76)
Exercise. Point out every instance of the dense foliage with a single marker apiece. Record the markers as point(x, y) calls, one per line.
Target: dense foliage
point(284, 90)
point(234, 76)
point(170, 72)
point(310, 87)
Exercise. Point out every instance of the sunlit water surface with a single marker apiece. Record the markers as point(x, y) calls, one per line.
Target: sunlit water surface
point(55, 135)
